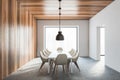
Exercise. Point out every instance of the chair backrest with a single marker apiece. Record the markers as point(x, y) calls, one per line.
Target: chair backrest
point(61, 59)
point(75, 57)
point(48, 51)
point(45, 53)
point(72, 52)
point(59, 49)
point(42, 56)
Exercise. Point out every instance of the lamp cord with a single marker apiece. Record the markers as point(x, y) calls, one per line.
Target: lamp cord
point(59, 15)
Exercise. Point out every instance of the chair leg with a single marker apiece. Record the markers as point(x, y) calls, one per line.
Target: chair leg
point(68, 65)
point(56, 71)
point(42, 65)
point(67, 68)
point(77, 65)
point(51, 66)
point(63, 68)
point(54, 68)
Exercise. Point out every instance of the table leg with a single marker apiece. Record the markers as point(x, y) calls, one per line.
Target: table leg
point(49, 66)
point(71, 65)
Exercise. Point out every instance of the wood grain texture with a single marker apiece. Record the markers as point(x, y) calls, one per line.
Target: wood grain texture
point(69, 7)
point(5, 40)
point(17, 41)
point(0, 39)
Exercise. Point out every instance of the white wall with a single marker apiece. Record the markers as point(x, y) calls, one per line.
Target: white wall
point(110, 18)
point(83, 28)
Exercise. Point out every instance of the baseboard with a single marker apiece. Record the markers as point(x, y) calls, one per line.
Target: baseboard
point(112, 68)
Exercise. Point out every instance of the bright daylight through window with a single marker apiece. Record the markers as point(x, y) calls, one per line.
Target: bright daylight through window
point(70, 38)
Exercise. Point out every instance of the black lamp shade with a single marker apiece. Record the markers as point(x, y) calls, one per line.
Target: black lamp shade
point(59, 36)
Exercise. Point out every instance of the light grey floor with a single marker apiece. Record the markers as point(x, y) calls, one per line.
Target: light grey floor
point(90, 70)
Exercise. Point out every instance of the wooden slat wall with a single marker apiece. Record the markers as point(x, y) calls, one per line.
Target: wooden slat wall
point(4, 36)
point(17, 37)
point(0, 39)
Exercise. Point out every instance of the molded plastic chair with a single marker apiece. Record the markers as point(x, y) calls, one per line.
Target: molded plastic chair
point(74, 59)
point(47, 52)
point(59, 49)
point(72, 52)
point(61, 60)
point(43, 58)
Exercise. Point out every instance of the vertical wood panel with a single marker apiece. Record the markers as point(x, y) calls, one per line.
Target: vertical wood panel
point(17, 43)
point(30, 33)
point(26, 35)
point(31, 37)
point(0, 40)
point(18, 34)
point(5, 36)
point(35, 37)
point(21, 36)
point(12, 36)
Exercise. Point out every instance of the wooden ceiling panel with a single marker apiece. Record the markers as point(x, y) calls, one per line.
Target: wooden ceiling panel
point(68, 3)
point(63, 13)
point(63, 17)
point(71, 9)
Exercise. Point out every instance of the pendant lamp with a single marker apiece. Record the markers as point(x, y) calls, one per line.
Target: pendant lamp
point(59, 36)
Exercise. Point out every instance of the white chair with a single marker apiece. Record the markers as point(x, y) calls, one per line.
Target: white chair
point(72, 52)
point(59, 49)
point(44, 53)
point(74, 60)
point(43, 58)
point(47, 52)
point(60, 60)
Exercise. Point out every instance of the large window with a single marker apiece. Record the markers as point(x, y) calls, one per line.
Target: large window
point(71, 38)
